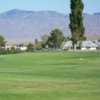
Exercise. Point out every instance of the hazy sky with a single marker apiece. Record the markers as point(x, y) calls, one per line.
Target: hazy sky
point(62, 6)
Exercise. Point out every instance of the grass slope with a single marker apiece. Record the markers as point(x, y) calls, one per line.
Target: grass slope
point(50, 76)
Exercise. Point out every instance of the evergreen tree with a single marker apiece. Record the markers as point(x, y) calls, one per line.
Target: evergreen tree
point(30, 47)
point(76, 21)
point(44, 39)
point(2, 41)
point(56, 38)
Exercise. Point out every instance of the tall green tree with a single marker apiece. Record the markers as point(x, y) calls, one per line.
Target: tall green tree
point(38, 45)
point(30, 47)
point(76, 21)
point(56, 38)
point(2, 41)
point(44, 39)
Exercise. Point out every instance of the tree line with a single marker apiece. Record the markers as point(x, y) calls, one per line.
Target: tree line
point(52, 41)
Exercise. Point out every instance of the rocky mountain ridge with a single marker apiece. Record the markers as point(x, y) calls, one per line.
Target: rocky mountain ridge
point(20, 25)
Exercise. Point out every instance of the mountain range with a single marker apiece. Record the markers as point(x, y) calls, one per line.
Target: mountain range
point(21, 26)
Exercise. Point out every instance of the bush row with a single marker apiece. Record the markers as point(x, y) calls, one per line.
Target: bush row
point(3, 51)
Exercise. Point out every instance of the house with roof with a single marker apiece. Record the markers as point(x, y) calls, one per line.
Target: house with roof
point(98, 43)
point(68, 45)
point(16, 47)
point(21, 47)
point(89, 46)
point(9, 46)
point(86, 46)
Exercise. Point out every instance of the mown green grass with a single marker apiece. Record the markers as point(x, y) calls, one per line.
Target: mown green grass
point(50, 76)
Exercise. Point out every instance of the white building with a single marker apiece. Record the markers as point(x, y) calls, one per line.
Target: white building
point(9, 46)
point(89, 46)
point(22, 48)
point(86, 46)
point(67, 45)
point(98, 43)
